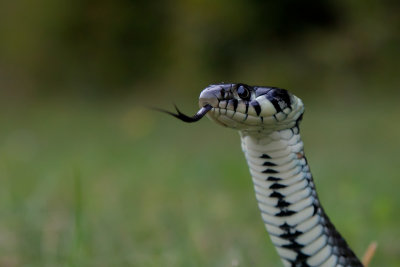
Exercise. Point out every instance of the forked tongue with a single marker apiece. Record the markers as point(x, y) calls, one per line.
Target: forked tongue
point(196, 117)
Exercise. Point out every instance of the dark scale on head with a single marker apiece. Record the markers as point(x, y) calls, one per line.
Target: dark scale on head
point(256, 106)
point(265, 156)
point(261, 90)
point(235, 104)
point(222, 93)
point(279, 98)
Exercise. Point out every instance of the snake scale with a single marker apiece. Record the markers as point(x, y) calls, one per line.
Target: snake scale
point(267, 119)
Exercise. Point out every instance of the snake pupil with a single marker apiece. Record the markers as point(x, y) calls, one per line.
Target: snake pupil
point(243, 93)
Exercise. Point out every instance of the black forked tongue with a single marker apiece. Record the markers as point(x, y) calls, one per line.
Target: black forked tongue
point(200, 114)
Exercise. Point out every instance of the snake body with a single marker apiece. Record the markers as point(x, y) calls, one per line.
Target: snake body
point(267, 119)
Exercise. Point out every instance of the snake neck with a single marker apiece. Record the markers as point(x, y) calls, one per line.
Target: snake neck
point(294, 218)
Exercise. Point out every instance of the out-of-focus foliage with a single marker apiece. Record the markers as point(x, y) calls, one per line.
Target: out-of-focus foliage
point(88, 177)
point(114, 47)
point(114, 185)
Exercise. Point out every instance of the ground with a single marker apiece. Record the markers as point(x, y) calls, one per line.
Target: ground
point(117, 185)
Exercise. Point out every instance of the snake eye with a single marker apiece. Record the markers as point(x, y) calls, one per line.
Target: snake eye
point(243, 92)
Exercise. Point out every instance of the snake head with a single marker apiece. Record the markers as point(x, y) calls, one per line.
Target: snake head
point(251, 109)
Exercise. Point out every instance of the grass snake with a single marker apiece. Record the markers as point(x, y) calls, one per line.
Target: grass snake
point(267, 119)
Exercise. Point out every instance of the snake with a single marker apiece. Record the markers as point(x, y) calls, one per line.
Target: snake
point(267, 119)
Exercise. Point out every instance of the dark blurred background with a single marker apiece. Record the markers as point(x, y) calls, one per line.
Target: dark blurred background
point(89, 177)
point(118, 48)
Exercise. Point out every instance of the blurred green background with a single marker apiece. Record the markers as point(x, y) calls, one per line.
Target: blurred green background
point(90, 177)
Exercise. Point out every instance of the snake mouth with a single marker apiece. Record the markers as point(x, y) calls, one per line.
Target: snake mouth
point(185, 118)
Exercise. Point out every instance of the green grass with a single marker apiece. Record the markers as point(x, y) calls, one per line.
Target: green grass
point(94, 185)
